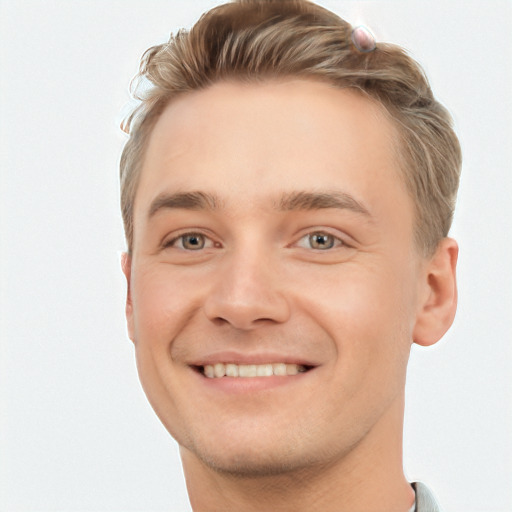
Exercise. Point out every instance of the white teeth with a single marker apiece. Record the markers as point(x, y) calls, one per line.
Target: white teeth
point(219, 370)
point(264, 370)
point(231, 370)
point(247, 370)
point(279, 369)
point(291, 369)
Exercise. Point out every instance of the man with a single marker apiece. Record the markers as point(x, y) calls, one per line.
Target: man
point(287, 191)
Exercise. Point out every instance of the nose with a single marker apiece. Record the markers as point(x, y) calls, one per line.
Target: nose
point(246, 294)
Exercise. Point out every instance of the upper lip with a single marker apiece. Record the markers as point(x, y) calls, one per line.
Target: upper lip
point(256, 358)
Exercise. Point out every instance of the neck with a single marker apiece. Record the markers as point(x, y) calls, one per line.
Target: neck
point(367, 478)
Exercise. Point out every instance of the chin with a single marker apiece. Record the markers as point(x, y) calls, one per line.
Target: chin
point(256, 457)
point(245, 464)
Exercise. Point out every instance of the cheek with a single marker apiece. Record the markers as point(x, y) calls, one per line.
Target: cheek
point(365, 311)
point(349, 294)
point(365, 317)
point(163, 301)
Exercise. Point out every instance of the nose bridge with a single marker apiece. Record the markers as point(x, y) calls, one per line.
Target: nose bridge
point(247, 290)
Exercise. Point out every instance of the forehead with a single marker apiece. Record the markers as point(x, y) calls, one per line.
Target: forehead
point(251, 142)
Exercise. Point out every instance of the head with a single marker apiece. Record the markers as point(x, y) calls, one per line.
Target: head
point(286, 200)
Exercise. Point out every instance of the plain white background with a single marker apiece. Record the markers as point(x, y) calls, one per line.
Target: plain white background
point(76, 431)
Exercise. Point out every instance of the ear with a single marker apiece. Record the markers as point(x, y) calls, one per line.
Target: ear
point(438, 295)
point(126, 266)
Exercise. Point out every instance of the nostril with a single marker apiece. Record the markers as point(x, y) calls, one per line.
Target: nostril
point(219, 321)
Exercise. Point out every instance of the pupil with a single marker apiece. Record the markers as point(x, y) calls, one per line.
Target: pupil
point(193, 242)
point(321, 241)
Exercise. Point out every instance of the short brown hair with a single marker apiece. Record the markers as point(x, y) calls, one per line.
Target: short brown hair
point(256, 40)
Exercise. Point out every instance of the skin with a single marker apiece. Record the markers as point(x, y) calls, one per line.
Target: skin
point(331, 438)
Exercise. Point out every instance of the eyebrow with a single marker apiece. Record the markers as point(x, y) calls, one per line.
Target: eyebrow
point(321, 200)
point(184, 200)
point(292, 201)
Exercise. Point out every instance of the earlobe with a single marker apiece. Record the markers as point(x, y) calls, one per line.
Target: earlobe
point(438, 304)
point(126, 266)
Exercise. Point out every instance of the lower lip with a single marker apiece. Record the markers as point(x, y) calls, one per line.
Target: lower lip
point(238, 385)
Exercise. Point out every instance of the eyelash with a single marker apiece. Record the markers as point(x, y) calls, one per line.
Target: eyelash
point(337, 242)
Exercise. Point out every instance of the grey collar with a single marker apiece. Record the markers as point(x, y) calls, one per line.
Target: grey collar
point(425, 501)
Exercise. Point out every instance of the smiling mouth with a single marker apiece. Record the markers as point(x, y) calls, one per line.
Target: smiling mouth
point(219, 370)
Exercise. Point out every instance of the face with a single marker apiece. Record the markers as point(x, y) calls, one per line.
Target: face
point(273, 240)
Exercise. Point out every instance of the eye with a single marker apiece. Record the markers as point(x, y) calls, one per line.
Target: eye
point(320, 240)
point(190, 242)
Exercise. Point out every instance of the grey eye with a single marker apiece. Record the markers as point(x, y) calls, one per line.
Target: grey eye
point(193, 241)
point(321, 241)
